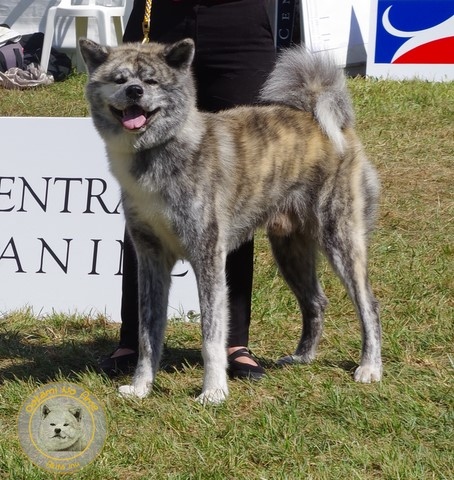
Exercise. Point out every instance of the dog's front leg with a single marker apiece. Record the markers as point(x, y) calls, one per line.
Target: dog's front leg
point(154, 269)
point(213, 297)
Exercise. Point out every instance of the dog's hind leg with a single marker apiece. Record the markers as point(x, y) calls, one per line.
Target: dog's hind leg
point(209, 268)
point(154, 269)
point(343, 237)
point(296, 255)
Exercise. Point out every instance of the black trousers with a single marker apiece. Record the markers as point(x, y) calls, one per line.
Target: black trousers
point(234, 54)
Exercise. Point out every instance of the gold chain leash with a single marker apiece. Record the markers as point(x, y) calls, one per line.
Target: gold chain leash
point(146, 22)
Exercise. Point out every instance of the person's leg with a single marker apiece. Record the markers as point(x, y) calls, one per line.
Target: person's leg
point(130, 297)
point(239, 270)
point(124, 357)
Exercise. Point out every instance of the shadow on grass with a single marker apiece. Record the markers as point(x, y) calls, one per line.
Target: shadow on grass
point(22, 357)
point(176, 359)
point(346, 365)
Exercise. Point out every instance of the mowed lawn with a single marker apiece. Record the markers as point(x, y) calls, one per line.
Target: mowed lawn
point(303, 422)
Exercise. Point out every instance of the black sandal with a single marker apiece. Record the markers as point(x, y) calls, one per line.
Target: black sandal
point(243, 370)
point(121, 365)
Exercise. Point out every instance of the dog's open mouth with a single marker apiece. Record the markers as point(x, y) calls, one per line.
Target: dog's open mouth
point(134, 117)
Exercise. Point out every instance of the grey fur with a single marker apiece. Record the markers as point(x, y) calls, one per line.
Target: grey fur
point(197, 185)
point(313, 83)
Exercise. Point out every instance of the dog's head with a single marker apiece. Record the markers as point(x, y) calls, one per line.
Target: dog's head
point(139, 89)
point(60, 427)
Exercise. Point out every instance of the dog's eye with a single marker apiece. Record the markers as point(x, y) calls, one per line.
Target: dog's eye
point(151, 81)
point(120, 80)
point(65, 424)
point(52, 424)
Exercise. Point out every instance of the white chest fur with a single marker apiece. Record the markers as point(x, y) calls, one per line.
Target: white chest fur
point(148, 205)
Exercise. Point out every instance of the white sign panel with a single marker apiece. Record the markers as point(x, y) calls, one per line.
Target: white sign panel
point(61, 233)
point(341, 27)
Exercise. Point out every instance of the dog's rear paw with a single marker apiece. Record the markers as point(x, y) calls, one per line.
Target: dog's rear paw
point(212, 397)
point(132, 391)
point(368, 374)
point(294, 360)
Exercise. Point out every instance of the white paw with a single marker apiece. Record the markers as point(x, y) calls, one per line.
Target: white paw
point(132, 391)
point(212, 397)
point(368, 373)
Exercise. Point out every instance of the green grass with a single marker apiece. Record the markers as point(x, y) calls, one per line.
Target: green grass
point(305, 422)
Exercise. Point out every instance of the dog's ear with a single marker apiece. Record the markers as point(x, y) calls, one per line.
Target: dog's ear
point(45, 410)
point(93, 54)
point(76, 412)
point(180, 54)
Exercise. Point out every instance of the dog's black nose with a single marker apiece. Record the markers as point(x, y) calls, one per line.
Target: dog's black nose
point(57, 430)
point(134, 91)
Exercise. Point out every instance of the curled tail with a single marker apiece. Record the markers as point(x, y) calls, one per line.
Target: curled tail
point(314, 83)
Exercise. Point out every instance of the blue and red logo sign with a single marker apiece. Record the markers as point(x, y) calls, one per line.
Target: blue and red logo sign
point(415, 32)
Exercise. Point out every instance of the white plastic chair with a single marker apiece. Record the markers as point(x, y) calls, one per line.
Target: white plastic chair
point(104, 15)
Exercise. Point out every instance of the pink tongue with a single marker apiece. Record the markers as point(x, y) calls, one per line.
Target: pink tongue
point(133, 118)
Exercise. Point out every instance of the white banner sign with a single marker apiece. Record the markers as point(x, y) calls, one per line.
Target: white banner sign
point(61, 224)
